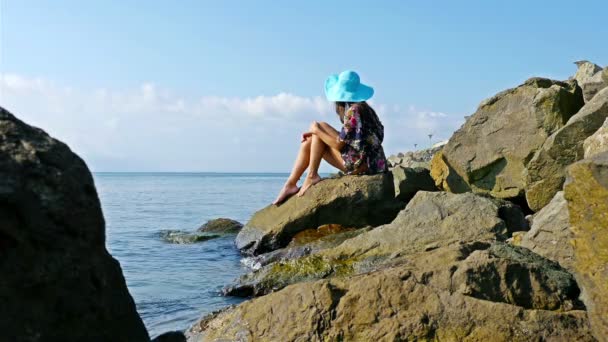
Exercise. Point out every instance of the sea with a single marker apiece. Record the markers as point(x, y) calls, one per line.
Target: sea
point(173, 285)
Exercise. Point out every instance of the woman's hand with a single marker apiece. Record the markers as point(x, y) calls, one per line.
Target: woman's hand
point(306, 136)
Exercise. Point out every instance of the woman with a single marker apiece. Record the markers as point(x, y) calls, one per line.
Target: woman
point(356, 149)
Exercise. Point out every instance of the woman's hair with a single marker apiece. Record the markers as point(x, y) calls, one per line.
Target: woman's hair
point(341, 108)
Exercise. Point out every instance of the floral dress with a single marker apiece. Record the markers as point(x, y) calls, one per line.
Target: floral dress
point(362, 132)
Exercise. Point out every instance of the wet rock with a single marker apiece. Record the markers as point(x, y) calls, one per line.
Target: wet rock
point(586, 191)
point(434, 295)
point(58, 283)
point(184, 237)
point(598, 142)
point(221, 225)
point(351, 201)
point(490, 152)
point(546, 171)
point(550, 235)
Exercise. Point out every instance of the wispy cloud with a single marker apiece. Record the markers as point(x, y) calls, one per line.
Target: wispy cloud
point(150, 127)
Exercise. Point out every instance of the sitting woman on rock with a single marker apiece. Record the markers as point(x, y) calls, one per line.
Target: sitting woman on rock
point(355, 149)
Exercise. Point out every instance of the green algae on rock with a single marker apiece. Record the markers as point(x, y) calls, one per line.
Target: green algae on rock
point(586, 191)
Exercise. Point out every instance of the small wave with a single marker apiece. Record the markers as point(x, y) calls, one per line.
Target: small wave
point(252, 263)
point(184, 237)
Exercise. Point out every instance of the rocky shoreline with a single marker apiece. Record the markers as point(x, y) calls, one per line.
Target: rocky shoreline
point(500, 234)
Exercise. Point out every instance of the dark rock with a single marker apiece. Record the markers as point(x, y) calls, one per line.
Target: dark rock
point(59, 283)
point(171, 336)
point(221, 225)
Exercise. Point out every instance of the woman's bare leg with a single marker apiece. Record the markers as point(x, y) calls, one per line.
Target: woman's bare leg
point(299, 167)
point(317, 150)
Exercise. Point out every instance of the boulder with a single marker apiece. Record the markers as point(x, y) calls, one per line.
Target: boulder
point(546, 171)
point(598, 142)
point(586, 191)
point(221, 225)
point(489, 153)
point(591, 78)
point(550, 235)
point(59, 283)
point(351, 201)
point(408, 181)
point(430, 220)
point(470, 292)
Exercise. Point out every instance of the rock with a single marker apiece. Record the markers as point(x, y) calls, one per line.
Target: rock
point(550, 235)
point(416, 159)
point(59, 283)
point(471, 292)
point(408, 181)
point(221, 225)
point(546, 170)
point(489, 153)
point(351, 201)
point(310, 235)
point(184, 237)
point(598, 142)
point(171, 336)
point(586, 191)
point(590, 78)
point(431, 220)
point(259, 281)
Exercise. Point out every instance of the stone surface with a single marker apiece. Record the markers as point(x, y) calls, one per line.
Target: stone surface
point(351, 201)
point(58, 281)
point(598, 142)
point(471, 292)
point(221, 225)
point(489, 153)
point(587, 194)
point(550, 235)
point(431, 220)
point(546, 170)
point(408, 181)
point(590, 78)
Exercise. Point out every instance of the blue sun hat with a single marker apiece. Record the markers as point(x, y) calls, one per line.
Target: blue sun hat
point(347, 87)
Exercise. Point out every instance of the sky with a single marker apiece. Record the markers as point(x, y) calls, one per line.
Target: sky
point(229, 86)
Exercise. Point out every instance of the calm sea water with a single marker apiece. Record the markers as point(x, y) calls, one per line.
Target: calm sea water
point(174, 285)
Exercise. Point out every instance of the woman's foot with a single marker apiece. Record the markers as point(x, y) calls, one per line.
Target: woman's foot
point(288, 190)
point(310, 181)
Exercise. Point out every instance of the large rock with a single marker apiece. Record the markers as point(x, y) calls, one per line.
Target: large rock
point(546, 171)
point(471, 292)
point(598, 142)
point(489, 153)
point(221, 225)
point(351, 201)
point(587, 194)
point(591, 78)
point(58, 281)
point(550, 235)
point(431, 220)
point(408, 181)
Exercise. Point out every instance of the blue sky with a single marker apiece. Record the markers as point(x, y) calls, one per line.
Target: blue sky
point(229, 85)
